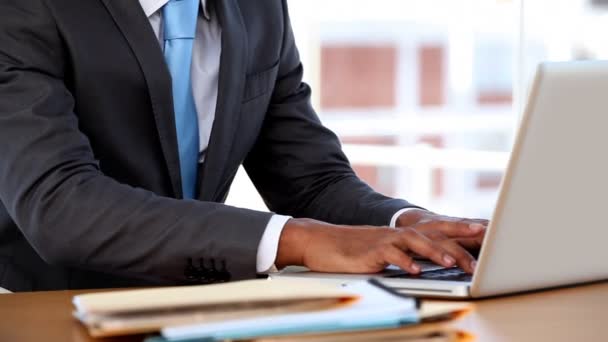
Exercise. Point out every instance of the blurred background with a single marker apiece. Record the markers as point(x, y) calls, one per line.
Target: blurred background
point(426, 95)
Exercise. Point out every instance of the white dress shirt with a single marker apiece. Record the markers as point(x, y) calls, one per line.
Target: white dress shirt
point(205, 72)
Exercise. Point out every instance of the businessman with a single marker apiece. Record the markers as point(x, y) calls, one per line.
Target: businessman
point(123, 123)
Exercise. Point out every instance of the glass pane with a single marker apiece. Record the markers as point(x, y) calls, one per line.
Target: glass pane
point(420, 92)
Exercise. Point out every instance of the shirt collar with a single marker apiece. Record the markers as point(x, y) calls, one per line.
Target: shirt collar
point(152, 6)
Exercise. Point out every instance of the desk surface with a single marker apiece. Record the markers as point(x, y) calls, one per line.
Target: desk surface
point(573, 314)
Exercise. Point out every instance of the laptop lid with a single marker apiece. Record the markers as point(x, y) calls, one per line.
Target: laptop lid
point(548, 228)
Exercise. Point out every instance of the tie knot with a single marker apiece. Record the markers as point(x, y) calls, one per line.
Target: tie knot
point(179, 19)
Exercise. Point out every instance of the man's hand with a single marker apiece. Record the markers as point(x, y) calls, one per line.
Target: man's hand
point(451, 233)
point(324, 247)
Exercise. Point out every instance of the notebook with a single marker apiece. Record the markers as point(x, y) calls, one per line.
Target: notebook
point(433, 326)
point(148, 310)
point(377, 308)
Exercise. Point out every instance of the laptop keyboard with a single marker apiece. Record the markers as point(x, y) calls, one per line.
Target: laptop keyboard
point(446, 274)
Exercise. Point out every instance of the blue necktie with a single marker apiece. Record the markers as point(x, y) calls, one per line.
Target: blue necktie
point(179, 20)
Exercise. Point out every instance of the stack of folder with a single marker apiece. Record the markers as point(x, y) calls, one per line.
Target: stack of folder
point(269, 310)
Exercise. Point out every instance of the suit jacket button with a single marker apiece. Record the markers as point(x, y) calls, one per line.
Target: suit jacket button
point(191, 273)
point(223, 272)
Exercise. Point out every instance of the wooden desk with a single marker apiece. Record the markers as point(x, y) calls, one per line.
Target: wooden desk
point(574, 314)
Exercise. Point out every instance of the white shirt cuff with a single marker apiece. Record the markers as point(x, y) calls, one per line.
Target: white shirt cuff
point(269, 244)
point(396, 216)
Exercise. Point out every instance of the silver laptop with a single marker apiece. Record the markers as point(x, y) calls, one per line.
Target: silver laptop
point(548, 227)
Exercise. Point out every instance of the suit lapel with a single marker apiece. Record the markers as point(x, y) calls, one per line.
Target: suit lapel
point(230, 91)
point(132, 22)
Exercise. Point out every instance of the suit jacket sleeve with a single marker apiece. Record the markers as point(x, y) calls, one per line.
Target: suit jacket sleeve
point(297, 164)
point(52, 186)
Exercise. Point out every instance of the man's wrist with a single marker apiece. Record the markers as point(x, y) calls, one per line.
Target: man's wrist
point(292, 243)
point(410, 216)
point(394, 220)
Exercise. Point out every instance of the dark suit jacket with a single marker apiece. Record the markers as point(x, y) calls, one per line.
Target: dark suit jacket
point(89, 172)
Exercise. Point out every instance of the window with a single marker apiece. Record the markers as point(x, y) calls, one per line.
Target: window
point(360, 77)
point(425, 95)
